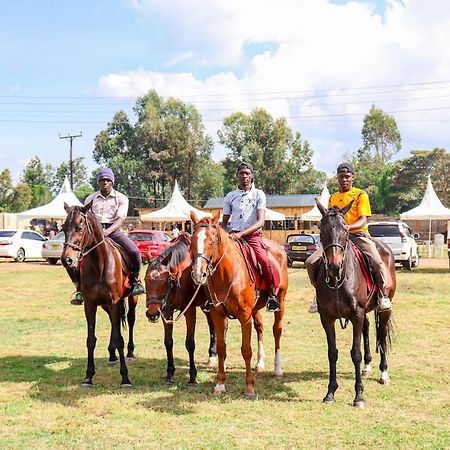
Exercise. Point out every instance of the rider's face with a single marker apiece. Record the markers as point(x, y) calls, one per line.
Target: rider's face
point(345, 181)
point(245, 177)
point(105, 186)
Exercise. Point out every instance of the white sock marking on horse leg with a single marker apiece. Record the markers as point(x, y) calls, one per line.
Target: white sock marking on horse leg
point(219, 389)
point(260, 364)
point(367, 369)
point(385, 377)
point(278, 370)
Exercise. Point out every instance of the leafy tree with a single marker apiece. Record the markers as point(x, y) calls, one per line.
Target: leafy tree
point(39, 177)
point(21, 197)
point(79, 174)
point(6, 188)
point(280, 159)
point(211, 176)
point(380, 135)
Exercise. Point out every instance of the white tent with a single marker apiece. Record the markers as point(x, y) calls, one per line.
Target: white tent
point(54, 209)
point(270, 215)
point(430, 208)
point(314, 215)
point(178, 209)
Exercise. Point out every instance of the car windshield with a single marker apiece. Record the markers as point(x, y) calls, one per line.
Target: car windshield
point(59, 237)
point(305, 239)
point(384, 230)
point(141, 237)
point(7, 233)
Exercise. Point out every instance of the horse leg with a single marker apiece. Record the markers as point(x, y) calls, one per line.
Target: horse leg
point(358, 323)
point(367, 355)
point(131, 319)
point(90, 311)
point(259, 327)
point(277, 330)
point(212, 350)
point(113, 360)
point(191, 317)
point(328, 326)
point(246, 351)
point(168, 344)
point(116, 311)
point(383, 324)
point(220, 325)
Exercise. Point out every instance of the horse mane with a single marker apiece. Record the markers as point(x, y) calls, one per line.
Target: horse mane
point(177, 252)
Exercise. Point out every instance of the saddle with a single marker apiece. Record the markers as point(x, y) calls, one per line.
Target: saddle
point(254, 268)
point(365, 267)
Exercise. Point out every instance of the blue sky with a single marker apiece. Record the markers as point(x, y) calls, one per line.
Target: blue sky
point(69, 66)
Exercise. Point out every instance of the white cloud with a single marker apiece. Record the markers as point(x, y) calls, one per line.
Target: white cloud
point(321, 50)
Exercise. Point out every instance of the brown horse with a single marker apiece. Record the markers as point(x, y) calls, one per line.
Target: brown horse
point(342, 293)
point(169, 288)
point(219, 265)
point(104, 281)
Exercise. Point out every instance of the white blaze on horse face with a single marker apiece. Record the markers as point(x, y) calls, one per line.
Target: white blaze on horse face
point(201, 237)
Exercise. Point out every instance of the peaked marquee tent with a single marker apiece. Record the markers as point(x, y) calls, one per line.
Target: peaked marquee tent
point(430, 208)
point(314, 215)
point(177, 209)
point(54, 209)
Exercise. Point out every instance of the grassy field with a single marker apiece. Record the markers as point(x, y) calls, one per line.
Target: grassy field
point(43, 359)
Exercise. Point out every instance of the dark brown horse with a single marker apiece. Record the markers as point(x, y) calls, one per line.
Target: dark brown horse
point(219, 265)
point(169, 288)
point(104, 281)
point(342, 293)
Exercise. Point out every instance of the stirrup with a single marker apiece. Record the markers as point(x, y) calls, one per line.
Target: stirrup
point(272, 304)
point(312, 308)
point(77, 298)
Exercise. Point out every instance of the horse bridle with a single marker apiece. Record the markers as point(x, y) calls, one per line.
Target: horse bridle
point(87, 236)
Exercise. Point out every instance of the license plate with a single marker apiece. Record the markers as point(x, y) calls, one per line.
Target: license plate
point(55, 247)
point(298, 247)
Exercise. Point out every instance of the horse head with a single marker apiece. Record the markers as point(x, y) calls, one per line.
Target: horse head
point(334, 238)
point(205, 244)
point(80, 230)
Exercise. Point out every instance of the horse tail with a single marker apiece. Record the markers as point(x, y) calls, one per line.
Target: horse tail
point(384, 329)
point(123, 312)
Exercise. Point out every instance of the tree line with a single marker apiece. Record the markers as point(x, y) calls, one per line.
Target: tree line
point(168, 141)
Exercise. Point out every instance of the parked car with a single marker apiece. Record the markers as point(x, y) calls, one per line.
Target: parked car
point(398, 236)
point(300, 246)
point(150, 243)
point(20, 244)
point(52, 248)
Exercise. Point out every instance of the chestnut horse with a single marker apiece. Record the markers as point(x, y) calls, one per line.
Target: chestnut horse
point(104, 281)
point(343, 293)
point(219, 265)
point(169, 288)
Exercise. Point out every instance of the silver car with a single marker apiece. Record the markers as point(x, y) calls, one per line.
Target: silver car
point(20, 244)
point(53, 248)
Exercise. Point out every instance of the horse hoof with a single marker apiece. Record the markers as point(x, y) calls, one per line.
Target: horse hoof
point(260, 368)
point(328, 400)
point(130, 359)
point(251, 396)
point(86, 384)
point(360, 404)
point(367, 371)
point(168, 381)
point(113, 363)
point(212, 363)
point(385, 381)
point(126, 385)
point(192, 384)
point(219, 389)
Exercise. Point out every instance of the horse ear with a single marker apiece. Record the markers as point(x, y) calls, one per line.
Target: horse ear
point(216, 217)
point(66, 207)
point(194, 217)
point(87, 207)
point(322, 208)
point(345, 209)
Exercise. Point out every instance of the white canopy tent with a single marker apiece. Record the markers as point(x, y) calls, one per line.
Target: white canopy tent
point(314, 215)
point(270, 215)
point(54, 209)
point(430, 208)
point(177, 209)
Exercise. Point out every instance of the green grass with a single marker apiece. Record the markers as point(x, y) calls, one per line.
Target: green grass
point(43, 361)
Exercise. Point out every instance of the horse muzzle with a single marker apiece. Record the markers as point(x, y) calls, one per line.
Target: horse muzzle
point(153, 317)
point(68, 261)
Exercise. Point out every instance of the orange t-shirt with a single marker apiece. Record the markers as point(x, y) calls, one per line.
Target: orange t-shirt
point(360, 207)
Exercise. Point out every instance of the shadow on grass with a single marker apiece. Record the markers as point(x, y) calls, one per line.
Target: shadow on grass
point(58, 379)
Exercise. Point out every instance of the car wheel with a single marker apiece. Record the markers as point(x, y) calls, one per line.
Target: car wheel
point(407, 264)
point(20, 257)
point(289, 262)
point(415, 263)
point(52, 261)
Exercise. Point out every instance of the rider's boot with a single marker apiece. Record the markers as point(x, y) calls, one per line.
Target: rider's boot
point(77, 298)
point(136, 286)
point(312, 308)
point(384, 303)
point(272, 304)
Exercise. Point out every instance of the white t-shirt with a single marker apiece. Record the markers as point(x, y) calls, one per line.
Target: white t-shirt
point(242, 207)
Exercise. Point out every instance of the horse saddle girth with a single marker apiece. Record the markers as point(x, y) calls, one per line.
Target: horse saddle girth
point(254, 268)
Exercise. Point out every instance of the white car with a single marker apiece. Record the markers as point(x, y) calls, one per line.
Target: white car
point(20, 244)
point(53, 248)
point(398, 236)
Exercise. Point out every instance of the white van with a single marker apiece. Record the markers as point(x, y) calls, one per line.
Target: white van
point(398, 236)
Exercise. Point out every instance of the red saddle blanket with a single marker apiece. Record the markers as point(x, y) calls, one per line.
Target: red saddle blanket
point(254, 268)
point(363, 263)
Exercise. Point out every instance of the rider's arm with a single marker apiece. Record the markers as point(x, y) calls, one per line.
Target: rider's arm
point(115, 226)
point(260, 215)
point(121, 214)
point(225, 219)
point(358, 224)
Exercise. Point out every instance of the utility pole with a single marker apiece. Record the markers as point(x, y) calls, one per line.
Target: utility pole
point(71, 137)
